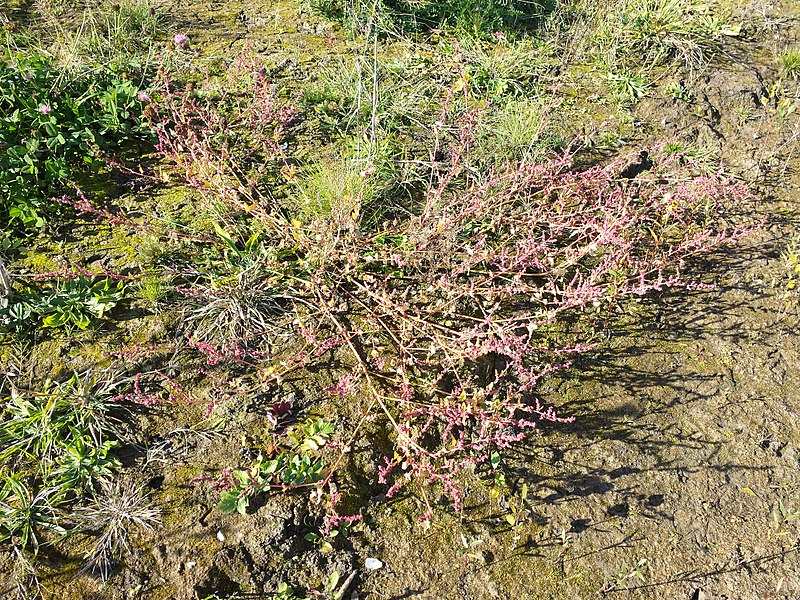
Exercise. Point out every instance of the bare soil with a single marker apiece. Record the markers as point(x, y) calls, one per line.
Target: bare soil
point(680, 477)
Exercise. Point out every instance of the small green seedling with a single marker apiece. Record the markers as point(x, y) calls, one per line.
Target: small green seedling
point(316, 432)
point(790, 64)
point(677, 91)
point(629, 87)
point(783, 517)
point(324, 541)
point(284, 471)
point(518, 512)
point(626, 575)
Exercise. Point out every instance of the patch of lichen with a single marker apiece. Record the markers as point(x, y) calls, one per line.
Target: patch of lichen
point(152, 328)
point(42, 259)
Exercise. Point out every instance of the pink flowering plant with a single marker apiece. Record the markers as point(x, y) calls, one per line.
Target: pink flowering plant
point(451, 317)
point(53, 124)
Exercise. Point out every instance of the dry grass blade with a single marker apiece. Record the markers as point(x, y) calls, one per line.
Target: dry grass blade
point(120, 507)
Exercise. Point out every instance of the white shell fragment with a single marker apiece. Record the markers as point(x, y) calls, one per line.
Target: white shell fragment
point(220, 535)
point(373, 564)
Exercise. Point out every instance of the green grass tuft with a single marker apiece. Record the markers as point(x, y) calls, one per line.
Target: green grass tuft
point(790, 64)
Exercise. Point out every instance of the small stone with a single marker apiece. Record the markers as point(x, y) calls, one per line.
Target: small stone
point(373, 564)
point(191, 564)
point(220, 535)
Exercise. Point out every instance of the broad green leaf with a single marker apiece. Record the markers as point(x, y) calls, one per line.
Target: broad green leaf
point(228, 501)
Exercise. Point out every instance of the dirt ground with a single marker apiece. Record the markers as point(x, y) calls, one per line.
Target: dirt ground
point(680, 477)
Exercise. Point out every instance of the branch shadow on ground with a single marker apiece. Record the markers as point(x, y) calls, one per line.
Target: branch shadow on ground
point(638, 386)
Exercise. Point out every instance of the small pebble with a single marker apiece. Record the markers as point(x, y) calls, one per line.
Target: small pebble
point(220, 535)
point(191, 564)
point(373, 564)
